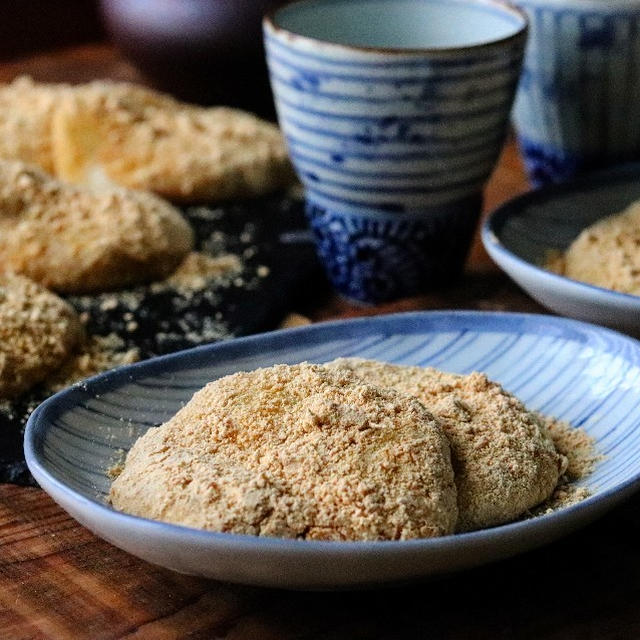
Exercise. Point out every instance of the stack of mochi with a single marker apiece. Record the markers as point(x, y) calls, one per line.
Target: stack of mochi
point(88, 175)
point(351, 450)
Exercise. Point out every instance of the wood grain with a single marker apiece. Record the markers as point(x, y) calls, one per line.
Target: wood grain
point(57, 580)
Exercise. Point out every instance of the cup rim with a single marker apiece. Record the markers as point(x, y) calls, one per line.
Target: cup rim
point(269, 23)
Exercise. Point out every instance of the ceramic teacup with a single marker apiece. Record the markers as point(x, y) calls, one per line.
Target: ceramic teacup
point(394, 112)
point(578, 105)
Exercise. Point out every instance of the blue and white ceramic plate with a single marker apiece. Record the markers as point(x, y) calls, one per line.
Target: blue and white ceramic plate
point(519, 235)
point(581, 373)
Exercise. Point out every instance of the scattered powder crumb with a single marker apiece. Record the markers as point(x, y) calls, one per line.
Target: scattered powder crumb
point(294, 320)
point(109, 303)
point(199, 281)
point(198, 270)
point(553, 260)
point(577, 445)
point(218, 237)
point(564, 495)
point(582, 456)
point(114, 471)
point(129, 298)
point(206, 213)
point(296, 191)
point(6, 407)
point(97, 354)
point(249, 252)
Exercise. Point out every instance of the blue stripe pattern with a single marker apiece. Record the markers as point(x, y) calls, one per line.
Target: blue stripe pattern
point(353, 108)
point(577, 103)
point(580, 373)
point(591, 379)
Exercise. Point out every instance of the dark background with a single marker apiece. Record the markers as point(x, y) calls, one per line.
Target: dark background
point(37, 25)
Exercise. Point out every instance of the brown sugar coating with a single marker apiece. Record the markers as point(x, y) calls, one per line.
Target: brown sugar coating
point(504, 461)
point(298, 452)
point(75, 239)
point(138, 138)
point(606, 254)
point(38, 331)
point(109, 132)
point(93, 355)
point(26, 113)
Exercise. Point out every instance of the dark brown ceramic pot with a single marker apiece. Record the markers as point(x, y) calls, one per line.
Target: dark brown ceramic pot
point(205, 51)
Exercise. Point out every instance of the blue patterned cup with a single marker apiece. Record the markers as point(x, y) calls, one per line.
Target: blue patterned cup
point(394, 112)
point(578, 105)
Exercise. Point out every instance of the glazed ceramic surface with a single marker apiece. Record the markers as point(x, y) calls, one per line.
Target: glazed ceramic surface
point(519, 235)
point(395, 112)
point(578, 104)
point(581, 373)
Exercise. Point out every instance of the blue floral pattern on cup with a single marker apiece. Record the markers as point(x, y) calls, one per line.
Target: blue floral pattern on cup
point(373, 258)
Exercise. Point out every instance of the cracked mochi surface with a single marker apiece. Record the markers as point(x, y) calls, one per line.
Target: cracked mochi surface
point(503, 457)
point(75, 239)
point(106, 132)
point(142, 139)
point(38, 332)
point(295, 451)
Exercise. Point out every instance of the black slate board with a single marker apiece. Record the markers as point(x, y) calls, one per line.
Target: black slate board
point(279, 269)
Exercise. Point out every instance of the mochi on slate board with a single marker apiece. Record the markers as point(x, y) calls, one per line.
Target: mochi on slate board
point(278, 267)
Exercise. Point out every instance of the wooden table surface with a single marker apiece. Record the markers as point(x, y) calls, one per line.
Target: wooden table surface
point(57, 580)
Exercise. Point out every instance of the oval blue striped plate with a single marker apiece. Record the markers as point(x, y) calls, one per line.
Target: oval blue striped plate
point(581, 373)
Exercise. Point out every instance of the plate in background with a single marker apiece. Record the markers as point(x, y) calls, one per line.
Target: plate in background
point(519, 234)
point(587, 375)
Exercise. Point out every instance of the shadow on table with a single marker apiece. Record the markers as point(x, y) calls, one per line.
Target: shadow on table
point(585, 586)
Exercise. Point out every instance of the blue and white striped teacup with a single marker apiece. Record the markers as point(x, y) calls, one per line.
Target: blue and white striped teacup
point(394, 112)
point(578, 105)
